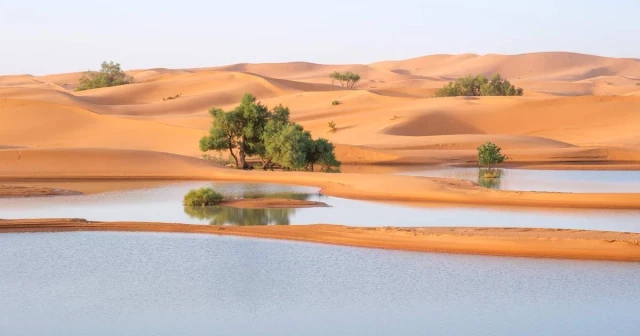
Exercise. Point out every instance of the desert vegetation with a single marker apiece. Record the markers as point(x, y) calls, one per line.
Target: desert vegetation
point(335, 102)
point(490, 155)
point(110, 74)
point(332, 126)
point(346, 79)
point(202, 197)
point(251, 129)
point(172, 97)
point(479, 86)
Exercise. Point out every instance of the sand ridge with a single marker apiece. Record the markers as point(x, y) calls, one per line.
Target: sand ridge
point(538, 243)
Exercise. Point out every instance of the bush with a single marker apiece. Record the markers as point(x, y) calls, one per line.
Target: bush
point(637, 84)
point(489, 155)
point(110, 74)
point(479, 86)
point(172, 97)
point(332, 126)
point(202, 197)
point(335, 102)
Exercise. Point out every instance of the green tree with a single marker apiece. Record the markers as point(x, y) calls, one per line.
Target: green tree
point(287, 147)
point(240, 129)
point(346, 79)
point(489, 155)
point(251, 129)
point(321, 151)
point(110, 74)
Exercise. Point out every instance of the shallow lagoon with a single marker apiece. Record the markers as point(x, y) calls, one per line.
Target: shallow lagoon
point(164, 204)
point(109, 283)
point(616, 181)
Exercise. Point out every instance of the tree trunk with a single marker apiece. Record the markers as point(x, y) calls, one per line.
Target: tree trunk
point(233, 155)
point(265, 166)
point(242, 154)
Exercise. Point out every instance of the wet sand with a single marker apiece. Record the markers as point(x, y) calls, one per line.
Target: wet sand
point(517, 242)
point(12, 191)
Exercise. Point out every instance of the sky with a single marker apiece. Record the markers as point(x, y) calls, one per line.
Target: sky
point(44, 36)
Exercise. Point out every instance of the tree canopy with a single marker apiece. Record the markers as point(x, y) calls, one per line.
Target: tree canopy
point(479, 86)
point(346, 79)
point(251, 129)
point(110, 74)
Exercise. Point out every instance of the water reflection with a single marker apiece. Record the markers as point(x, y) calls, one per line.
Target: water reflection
point(490, 178)
point(221, 215)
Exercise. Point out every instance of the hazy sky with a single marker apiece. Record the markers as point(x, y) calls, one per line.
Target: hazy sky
point(52, 36)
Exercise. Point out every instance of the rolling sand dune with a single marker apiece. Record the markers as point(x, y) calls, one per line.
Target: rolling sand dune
point(389, 118)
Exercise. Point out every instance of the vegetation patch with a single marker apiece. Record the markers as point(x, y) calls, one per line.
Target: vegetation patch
point(335, 102)
point(110, 74)
point(332, 126)
point(490, 155)
point(202, 197)
point(479, 86)
point(251, 129)
point(346, 79)
point(172, 97)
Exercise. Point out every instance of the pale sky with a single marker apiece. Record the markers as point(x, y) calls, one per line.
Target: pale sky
point(47, 36)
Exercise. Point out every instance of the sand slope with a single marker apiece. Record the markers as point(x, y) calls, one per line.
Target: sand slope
point(569, 113)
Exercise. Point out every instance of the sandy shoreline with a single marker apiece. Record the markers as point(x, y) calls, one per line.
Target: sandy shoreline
point(13, 191)
point(516, 242)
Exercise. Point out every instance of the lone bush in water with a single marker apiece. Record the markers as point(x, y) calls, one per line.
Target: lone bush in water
point(489, 155)
point(202, 197)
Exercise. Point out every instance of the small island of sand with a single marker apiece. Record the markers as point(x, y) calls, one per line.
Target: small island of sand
point(271, 203)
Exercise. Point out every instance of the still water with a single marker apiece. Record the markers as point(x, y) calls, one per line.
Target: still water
point(543, 180)
point(164, 204)
point(105, 284)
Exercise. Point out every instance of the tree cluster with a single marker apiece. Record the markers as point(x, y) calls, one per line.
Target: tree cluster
point(479, 86)
point(110, 74)
point(251, 129)
point(346, 79)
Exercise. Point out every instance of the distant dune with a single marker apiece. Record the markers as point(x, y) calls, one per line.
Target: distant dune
point(576, 109)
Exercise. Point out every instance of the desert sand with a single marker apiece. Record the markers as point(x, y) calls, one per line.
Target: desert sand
point(578, 111)
point(539, 243)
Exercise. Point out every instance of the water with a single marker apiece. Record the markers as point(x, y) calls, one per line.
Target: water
point(544, 180)
point(97, 283)
point(164, 204)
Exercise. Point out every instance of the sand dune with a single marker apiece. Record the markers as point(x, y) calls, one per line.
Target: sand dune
point(389, 118)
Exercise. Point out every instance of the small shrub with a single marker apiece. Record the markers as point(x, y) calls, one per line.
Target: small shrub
point(172, 97)
point(394, 118)
point(637, 84)
point(332, 127)
point(335, 102)
point(202, 197)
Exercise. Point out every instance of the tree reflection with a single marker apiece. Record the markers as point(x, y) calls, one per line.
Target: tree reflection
point(489, 178)
point(221, 215)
